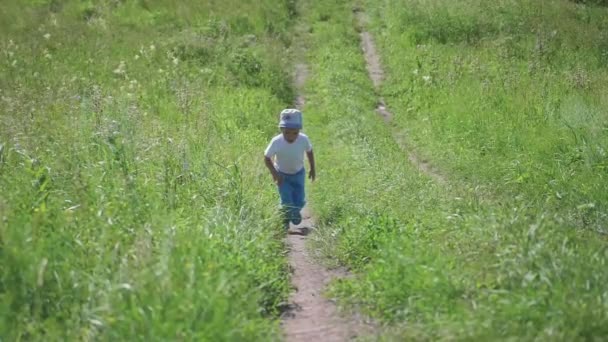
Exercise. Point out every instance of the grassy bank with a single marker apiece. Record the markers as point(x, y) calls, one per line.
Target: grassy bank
point(485, 256)
point(133, 205)
point(516, 90)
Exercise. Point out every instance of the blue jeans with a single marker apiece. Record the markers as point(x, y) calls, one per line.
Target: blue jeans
point(293, 197)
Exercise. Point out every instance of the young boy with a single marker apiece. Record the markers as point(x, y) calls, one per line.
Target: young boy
point(287, 168)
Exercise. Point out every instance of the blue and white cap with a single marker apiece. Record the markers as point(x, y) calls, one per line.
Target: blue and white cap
point(290, 118)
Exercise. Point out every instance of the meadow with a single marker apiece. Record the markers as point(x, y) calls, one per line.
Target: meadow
point(134, 204)
point(507, 100)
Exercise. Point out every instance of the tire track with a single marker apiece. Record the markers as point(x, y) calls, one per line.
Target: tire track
point(377, 75)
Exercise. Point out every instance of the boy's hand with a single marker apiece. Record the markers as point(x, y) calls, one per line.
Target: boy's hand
point(275, 174)
point(312, 174)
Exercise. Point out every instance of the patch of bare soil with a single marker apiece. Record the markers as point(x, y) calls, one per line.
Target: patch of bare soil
point(300, 79)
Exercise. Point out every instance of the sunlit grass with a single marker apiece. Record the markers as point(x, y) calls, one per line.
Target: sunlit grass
point(132, 202)
point(511, 246)
point(134, 205)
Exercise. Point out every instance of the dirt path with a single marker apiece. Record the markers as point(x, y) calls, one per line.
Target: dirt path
point(300, 79)
point(376, 74)
point(310, 315)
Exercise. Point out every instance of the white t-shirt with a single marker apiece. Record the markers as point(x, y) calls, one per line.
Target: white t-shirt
point(289, 157)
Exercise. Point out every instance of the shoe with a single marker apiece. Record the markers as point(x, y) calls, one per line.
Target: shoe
point(297, 218)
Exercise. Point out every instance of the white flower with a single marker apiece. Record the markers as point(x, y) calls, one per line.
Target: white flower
point(136, 57)
point(120, 70)
point(426, 78)
point(152, 47)
point(47, 36)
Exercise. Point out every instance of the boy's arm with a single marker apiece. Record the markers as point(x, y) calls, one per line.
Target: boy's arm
point(275, 175)
point(312, 174)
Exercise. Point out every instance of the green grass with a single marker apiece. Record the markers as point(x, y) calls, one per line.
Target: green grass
point(516, 89)
point(134, 205)
point(511, 247)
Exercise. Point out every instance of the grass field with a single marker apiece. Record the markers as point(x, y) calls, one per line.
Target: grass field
point(507, 99)
point(132, 200)
point(134, 204)
point(515, 88)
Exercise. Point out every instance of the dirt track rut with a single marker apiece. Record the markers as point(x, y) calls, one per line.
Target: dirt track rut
point(311, 316)
point(377, 75)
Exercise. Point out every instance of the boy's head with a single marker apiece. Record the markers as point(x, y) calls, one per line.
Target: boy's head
point(290, 118)
point(290, 124)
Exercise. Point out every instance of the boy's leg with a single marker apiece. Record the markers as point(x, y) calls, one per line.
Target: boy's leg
point(298, 196)
point(285, 192)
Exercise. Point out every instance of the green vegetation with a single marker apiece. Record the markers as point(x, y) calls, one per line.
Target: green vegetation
point(516, 89)
point(133, 205)
point(507, 99)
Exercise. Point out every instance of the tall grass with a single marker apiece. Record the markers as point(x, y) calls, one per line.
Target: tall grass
point(509, 247)
point(132, 203)
point(515, 88)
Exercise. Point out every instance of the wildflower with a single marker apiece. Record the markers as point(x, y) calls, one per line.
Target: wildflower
point(136, 57)
point(133, 84)
point(152, 47)
point(125, 286)
point(47, 36)
point(426, 78)
point(120, 70)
